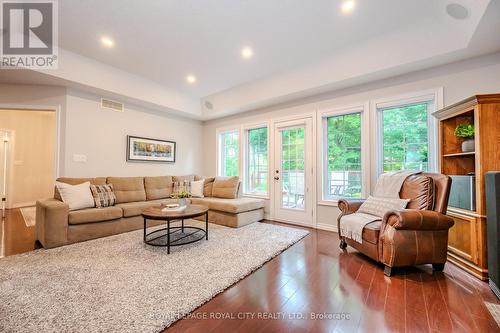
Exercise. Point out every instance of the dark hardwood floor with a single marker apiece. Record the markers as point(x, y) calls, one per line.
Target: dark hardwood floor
point(315, 278)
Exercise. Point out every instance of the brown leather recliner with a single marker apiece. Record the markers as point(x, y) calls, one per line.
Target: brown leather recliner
point(412, 236)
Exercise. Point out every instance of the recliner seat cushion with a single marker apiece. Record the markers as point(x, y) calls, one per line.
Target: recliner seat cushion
point(420, 190)
point(91, 215)
point(371, 232)
point(158, 187)
point(128, 189)
point(234, 206)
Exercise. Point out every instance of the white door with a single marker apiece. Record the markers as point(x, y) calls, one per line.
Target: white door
point(3, 167)
point(292, 174)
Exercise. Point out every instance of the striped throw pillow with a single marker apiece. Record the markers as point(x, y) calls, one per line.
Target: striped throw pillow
point(103, 195)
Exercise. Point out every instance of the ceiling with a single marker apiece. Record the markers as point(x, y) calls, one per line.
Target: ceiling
point(300, 47)
point(166, 40)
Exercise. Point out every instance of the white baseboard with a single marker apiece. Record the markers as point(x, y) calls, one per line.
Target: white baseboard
point(23, 204)
point(327, 227)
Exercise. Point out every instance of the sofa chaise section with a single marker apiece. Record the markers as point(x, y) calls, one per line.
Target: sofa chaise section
point(233, 213)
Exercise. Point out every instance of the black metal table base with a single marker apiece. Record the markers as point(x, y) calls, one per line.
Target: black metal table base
point(175, 236)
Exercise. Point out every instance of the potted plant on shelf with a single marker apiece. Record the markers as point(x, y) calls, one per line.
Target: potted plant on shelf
point(181, 197)
point(466, 132)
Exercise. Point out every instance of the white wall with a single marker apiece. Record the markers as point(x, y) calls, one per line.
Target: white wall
point(32, 97)
point(30, 166)
point(100, 134)
point(459, 80)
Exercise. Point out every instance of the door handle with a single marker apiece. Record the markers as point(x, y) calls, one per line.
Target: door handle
point(276, 178)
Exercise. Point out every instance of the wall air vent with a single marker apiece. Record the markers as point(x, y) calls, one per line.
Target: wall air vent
point(113, 105)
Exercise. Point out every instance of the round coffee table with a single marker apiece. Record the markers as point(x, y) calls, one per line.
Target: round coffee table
point(178, 235)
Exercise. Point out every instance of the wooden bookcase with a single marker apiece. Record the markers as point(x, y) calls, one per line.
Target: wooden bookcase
point(467, 238)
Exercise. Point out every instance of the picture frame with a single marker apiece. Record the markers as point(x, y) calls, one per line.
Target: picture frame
point(141, 149)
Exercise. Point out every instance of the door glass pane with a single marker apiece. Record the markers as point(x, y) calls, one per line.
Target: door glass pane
point(292, 168)
point(405, 138)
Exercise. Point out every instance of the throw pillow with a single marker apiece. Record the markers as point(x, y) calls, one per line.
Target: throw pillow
point(197, 188)
point(103, 195)
point(76, 196)
point(209, 183)
point(379, 206)
point(226, 187)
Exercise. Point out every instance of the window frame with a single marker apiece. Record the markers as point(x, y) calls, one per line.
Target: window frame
point(244, 153)
point(433, 98)
point(323, 115)
point(219, 133)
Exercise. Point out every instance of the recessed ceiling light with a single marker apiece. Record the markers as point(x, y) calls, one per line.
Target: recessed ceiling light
point(246, 52)
point(457, 11)
point(191, 79)
point(347, 6)
point(108, 42)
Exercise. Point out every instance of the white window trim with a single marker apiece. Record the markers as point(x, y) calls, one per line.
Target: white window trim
point(435, 99)
point(218, 134)
point(244, 129)
point(323, 114)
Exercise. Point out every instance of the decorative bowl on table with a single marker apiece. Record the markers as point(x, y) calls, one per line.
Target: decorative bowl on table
point(172, 208)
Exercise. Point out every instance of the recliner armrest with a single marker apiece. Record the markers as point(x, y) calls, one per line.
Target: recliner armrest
point(414, 219)
point(349, 206)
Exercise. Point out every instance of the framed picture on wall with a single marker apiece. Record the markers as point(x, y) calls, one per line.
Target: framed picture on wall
point(150, 150)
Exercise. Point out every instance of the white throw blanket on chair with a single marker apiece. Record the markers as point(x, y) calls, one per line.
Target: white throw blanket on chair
point(388, 186)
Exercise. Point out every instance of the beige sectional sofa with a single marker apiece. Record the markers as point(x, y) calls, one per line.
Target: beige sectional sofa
point(57, 226)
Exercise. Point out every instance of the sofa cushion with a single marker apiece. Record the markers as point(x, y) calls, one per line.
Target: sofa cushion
point(420, 190)
point(135, 208)
point(233, 206)
point(188, 178)
point(158, 187)
point(76, 181)
point(128, 189)
point(225, 187)
point(207, 186)
point(371, 231)
point(94, 215)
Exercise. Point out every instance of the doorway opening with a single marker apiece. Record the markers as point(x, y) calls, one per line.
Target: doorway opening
point(28, 141)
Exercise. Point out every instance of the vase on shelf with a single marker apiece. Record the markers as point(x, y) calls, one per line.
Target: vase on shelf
point(468, 146)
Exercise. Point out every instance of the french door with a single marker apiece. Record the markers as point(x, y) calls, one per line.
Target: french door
point(292, 173)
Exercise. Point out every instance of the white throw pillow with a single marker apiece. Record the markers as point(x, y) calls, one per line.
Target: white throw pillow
point(76, 196)
point(197, 188)
point(379, 206)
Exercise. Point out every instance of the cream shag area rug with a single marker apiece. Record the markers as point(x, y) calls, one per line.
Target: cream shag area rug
point(29, 215)
point(120, 284)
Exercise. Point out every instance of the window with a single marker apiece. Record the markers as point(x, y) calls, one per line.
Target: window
point(256, 161)
point(229, 152)
point(405, 137)
point(343, 156)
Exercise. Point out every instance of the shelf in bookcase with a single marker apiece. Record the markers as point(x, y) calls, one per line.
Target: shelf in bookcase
point(470, 153)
